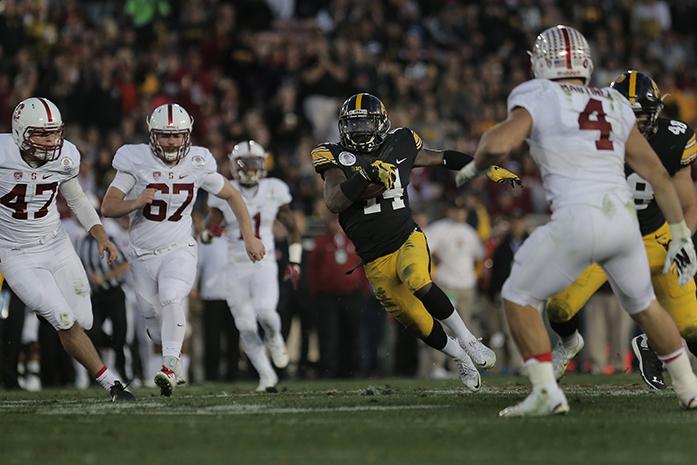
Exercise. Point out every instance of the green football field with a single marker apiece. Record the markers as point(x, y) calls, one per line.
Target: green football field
point(391, 421)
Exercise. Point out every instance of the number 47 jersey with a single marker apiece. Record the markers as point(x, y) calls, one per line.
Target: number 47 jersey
point(28, 210)
point(577, 139)
point(167, 220)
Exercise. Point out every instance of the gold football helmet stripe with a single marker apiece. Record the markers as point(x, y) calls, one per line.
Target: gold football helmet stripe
point(632, 86)
point(359, 101)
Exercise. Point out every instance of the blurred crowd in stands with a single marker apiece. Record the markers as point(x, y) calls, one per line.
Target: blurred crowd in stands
point(277, 71)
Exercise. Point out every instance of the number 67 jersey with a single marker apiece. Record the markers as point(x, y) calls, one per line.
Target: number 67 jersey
point(167, 220)
point(577, 139)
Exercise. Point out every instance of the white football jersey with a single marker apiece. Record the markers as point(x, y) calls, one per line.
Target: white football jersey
point(167, 220)
point(577, 139)
point(28, 195)
point(263, 203)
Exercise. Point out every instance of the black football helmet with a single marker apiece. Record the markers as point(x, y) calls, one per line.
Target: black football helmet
point(644, 96)
point(363, 123)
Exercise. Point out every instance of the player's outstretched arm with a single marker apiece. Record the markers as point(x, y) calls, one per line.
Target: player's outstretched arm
point(644, 161)
point(114, 204)
point(295, 249)
point(254, 245)
point(454, 160)
point(87, 216)
point(496, 143)
point(684, 186)
point(339, 192)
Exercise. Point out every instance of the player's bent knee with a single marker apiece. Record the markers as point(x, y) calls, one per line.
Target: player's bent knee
point(559, 311)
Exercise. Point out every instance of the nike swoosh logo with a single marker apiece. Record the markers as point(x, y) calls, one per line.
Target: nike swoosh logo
point(46, 176)
point(399, 162)
point(179, 325)
point(182, 176)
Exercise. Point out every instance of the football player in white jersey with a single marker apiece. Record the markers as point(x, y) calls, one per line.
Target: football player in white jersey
point(253, 287)
point(156, 184)
point(579, 137)
point(36, 255)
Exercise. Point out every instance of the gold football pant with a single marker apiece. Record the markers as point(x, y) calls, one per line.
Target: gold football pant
point(680, 302)
point(395, 278)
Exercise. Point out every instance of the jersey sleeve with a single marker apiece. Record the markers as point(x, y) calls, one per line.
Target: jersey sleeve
point(280, 192)
point(122, 161)
point(417, 139)
point(689, 154)
point(70, 161)
point(213, 182)
point(527, 95)
point(123, 181)
point(323, 158)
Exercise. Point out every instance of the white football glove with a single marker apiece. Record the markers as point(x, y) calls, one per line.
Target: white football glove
point(681, 252)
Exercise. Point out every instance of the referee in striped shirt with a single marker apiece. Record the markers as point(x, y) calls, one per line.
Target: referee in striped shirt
point(108, 299)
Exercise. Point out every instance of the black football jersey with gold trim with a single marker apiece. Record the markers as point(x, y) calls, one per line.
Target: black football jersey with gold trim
point(377, 226)
point(674, 142)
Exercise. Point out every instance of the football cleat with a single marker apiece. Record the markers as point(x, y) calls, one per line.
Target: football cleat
point(542, 401)
point(469, 375)
point(166, 380)
point(277, 349)
point(179, 372)
point(564, 352)
point(268, 383)
point(119, 393)
point(481, 355)
point(650, 367)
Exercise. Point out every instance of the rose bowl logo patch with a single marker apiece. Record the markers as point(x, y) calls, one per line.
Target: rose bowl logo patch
point(347, 159)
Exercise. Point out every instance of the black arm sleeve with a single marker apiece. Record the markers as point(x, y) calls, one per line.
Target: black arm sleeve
point(454, 160)
point(354, 186)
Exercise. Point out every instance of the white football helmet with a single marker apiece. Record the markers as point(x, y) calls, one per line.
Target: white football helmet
point(170, 118)
point(37, 115)
point(561, 52)
point(248, 162)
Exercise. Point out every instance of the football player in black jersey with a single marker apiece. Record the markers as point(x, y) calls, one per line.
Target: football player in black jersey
point(674, 142)
point(365, 182)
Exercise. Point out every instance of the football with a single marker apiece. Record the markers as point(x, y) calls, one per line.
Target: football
point(373, 190)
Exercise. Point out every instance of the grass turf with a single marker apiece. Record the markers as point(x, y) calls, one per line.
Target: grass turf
point(613, 420)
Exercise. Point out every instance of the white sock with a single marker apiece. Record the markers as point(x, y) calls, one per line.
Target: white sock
point(256, 353)
point(106, 378)
point(453, 349)
point(570, 340)
point(170, 362)
point(540, 373)
point(680, 370)
point(173, 330)
point(455, 324)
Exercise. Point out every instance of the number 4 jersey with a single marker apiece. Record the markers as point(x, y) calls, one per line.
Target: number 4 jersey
point(167, 220)
point(674, 142)
point(28, 210)
point(377, 226)
point(577, 139)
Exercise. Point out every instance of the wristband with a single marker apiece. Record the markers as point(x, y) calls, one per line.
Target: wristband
point(454, 160)
point(354, 186)
point(295, 253)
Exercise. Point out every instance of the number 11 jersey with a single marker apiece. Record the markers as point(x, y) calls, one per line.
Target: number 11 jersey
point(377, 226)
point(577, 139)
point(167, 220)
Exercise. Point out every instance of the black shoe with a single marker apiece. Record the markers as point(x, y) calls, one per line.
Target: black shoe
point(119, 393)
point(650, 367)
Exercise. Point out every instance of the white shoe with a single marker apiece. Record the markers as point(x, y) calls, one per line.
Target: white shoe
point(32, 382)
point(268, 383)
point(277, 349)
point(481, 355)
point(542, 401)
point(166, 380)
point(468, 374)
point(687, 392)
point(179, 372)
point(564, 352)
